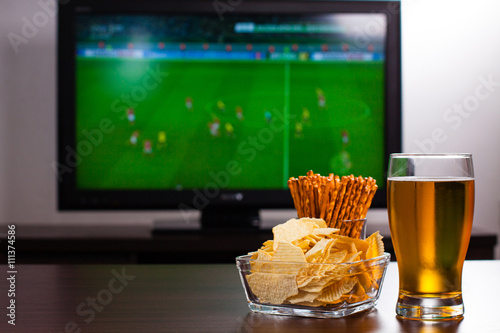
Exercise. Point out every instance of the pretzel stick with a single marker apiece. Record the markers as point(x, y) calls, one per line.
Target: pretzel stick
point(350, 200)
point(336, 186)
point(351, 228)
point(303, 195)
point(310, 193)
point(360, 206)
point(325, 192)
point(345, 201)
point(353, 201)
point(356, 230)
point(330, 205)
point(300, 208)
point(359, 191)
point(364, 197)
point(294, 195)
point(372, 188)
point(369, 200)
point(339, 200)
point(308, 198)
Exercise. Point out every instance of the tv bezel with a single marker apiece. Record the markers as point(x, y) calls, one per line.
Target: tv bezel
point(72, 198)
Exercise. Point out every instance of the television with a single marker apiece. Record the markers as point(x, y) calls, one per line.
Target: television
point(214, 105)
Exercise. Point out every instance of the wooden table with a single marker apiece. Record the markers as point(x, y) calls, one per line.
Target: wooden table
point(206, 298)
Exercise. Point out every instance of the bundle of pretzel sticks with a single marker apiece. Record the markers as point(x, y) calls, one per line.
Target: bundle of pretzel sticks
point(334, 199)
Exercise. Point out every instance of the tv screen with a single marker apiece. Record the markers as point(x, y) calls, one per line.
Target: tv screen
point(198, 104)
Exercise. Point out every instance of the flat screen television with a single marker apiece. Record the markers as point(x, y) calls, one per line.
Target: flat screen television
point(213, 105)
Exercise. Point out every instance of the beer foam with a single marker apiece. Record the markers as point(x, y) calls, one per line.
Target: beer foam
point(430, 179)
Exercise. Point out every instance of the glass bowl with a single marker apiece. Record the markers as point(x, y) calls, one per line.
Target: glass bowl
point(318, 290)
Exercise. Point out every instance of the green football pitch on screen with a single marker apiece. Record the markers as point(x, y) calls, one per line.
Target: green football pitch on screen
point(246, 125)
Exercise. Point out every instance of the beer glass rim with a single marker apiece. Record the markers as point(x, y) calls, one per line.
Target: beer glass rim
point(432, 155)
point(430, 165)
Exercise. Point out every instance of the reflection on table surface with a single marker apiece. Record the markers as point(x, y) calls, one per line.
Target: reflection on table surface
point(208, 298)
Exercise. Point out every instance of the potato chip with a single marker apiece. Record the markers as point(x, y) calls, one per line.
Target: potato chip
point(375, 249)
point(349, 247)
point(262, 262)
point(357, 294)
point(291, 257)
point(317, 283)
point(317, 251)
point(341, 246)
point(361, 245)
point(263, 255)
point(334, 292)
point(341, 270)
point(325, 231)
point(292, 230)
point(316, 237)
point(336, 257)
point(253, 255)
point(303, 278)
point(319, 222)
point(351, 257)
point(321, 257)
point(303, 296)
point(316, 276)
point(311, 239)
point(286, 251)
point(304, 244)
point(272, 288)
point(369, 285)
point(375, 246)
point(353, 248)
point(268, 246)
point(309, 273)
point(376, 272)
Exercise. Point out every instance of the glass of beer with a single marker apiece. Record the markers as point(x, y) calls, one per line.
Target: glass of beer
point(431, 205)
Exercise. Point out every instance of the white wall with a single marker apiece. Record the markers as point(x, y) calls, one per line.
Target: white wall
point(449, 48)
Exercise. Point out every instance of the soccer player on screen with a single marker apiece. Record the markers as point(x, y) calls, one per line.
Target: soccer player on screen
point(189, 103)
point(320, 94)
point(229, 130)
point(148, 147)
point(221, 106)
point(299, 130)
point(134, 138)
point(268, 116)
point(306, 115)
point(341, 162)
point(162, 140)
point(239, 113)
point(214, 127)
point(131, 116)
point(321, 102)
point(345, 139)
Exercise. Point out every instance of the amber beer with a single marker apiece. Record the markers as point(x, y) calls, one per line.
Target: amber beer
point(430, 221)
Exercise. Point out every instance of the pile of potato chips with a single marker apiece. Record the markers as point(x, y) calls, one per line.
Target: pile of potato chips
point(309, 264)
